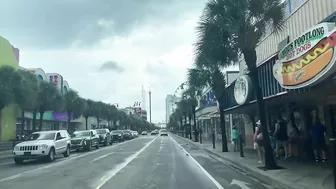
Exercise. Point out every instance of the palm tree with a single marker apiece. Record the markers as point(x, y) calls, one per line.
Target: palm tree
point(191, 95)
point(178, 117)
point(48, 98)
point(242, 24)
point(112, 114)
point(88, 111)
point(9, 77)
point(97, 110)
point(26, 94)
point(204, 75)
point(73, 106)
point(185, 110)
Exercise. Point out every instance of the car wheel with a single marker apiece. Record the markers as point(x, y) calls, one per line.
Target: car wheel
point(51, 155)
point(111, 142)
point(105, 143)
point(67, 152)
point(18, 161)
point(97, 146)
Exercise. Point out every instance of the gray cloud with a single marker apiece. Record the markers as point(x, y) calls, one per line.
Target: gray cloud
point(111, 66)
point(57, 24)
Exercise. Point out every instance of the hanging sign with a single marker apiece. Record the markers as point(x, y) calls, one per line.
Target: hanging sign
point(242, 89)
point(308, 59)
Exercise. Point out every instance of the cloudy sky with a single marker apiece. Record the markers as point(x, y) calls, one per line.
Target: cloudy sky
point(107, 49)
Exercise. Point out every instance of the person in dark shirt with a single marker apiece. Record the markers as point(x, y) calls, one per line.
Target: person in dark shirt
point(281, 136)
point(318, 134)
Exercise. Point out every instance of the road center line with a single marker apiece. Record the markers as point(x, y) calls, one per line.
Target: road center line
point(200, 166)
point(98, 158)
point(110, 174)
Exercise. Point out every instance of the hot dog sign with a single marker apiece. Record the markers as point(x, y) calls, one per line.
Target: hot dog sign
point(308, 59)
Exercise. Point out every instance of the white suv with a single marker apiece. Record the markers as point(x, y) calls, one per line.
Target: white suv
point(43, 145)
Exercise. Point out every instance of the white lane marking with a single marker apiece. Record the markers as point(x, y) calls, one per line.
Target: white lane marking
point(6, 163)
point(200, 166)
point(110, 174)
point(57, 159)
point(103, 156)
point(60, 162)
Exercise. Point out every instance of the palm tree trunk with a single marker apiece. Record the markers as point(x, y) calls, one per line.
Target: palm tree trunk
point(194, 116)
point(185, 128)
point(86, 123)
point(223, 129)
point(69, 119)
point(34, 120)
point(41, 121)
point(22, 121)
point(189, 127)
point(180, 126)
point(250, 56)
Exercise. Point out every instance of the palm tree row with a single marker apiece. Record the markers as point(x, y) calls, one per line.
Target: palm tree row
point(22, 88)
point(186, 110)
point(229, 31)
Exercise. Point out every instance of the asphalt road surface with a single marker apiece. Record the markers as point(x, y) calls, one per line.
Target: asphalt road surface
point(148, 162)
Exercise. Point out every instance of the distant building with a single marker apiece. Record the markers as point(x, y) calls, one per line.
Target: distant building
point(171, 101)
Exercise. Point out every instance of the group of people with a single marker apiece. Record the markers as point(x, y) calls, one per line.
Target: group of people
point(290, 140)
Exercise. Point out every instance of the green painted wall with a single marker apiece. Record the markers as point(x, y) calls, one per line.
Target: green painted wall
point(8, 114)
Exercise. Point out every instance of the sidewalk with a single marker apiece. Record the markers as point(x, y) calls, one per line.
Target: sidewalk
point(296, 175)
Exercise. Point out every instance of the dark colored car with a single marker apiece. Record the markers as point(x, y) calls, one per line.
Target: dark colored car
point(85, 140)
point(117, 136)
point(104, 136)
point(127, 135)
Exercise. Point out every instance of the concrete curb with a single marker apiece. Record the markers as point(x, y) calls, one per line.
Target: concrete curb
point(270, 180)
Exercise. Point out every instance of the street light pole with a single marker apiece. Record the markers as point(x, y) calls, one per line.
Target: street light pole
point(150, 106)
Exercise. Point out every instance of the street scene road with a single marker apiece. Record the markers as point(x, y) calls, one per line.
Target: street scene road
point(148, 162)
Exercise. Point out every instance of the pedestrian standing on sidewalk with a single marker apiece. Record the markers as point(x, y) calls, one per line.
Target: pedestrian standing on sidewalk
point(235, 138)
point(318, 136)
point(258, 141)
point(281, 136)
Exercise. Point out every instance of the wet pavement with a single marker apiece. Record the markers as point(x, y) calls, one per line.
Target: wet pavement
point(148, 162)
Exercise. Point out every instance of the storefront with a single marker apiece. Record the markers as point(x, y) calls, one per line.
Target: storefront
point(296, 81)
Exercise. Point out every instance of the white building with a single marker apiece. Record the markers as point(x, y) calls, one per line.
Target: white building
point(170, 105)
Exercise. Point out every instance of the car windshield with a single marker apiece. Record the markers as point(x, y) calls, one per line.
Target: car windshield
point(116, 132)
point(41, 136)
point(81, 133)
point(101, 131)
point(163, 130)
point(127, 132)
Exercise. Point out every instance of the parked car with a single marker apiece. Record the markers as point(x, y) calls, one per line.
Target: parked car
point(135, 134)
point(144, 133)
point(104, 136)
point(154, 133)
point(127, 134)
point(43, 145)
point(163, 132)
point(85, 140)
point(117, 136)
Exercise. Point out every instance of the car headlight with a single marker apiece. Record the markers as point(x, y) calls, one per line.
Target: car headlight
point(119, 134)
point(43, 146)
point(17, 148)
point(84, 141)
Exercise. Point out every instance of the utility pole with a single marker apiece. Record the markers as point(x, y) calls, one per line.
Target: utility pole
point(150, 106)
